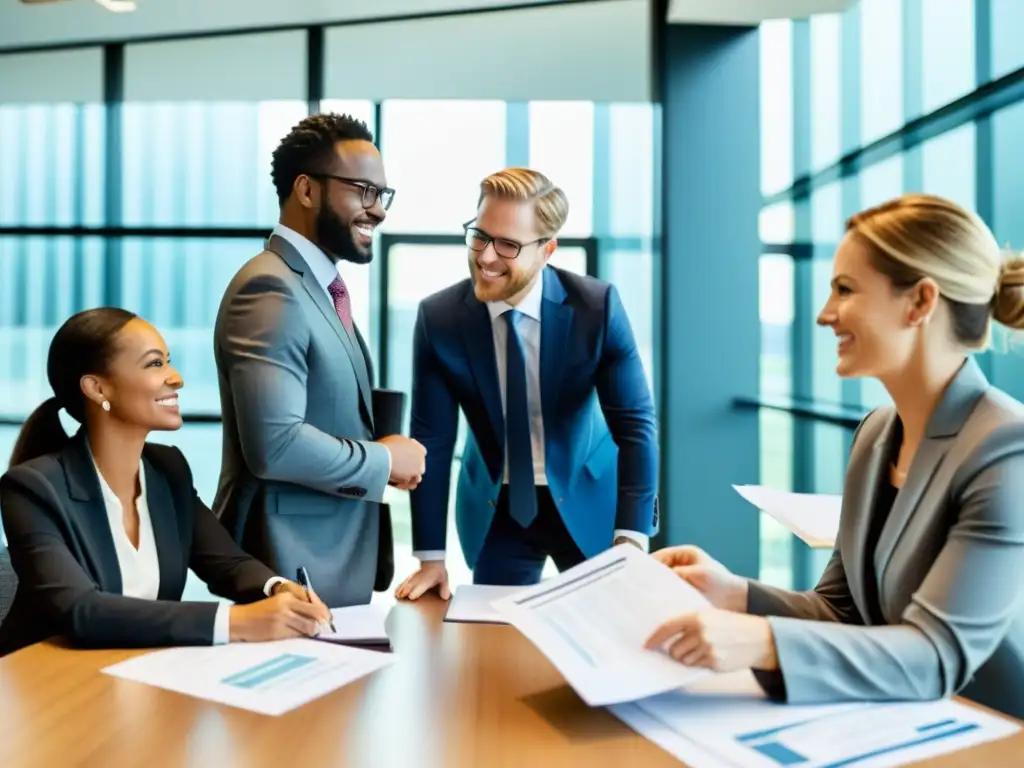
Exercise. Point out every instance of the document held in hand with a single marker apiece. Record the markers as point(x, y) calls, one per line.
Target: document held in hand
point(814, 517)
point(592, 621)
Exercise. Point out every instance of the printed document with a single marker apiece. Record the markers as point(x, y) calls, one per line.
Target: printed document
point(726, 720)
point(592, 621)
point(471, 603)
point(269, 678)
point(814, 517)
point(359, 625)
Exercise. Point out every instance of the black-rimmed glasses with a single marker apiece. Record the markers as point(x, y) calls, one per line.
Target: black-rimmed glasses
point(478, 240)
point(370, 193)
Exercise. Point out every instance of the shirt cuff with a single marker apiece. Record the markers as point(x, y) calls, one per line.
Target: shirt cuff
point(222, 624)
point(270, 584)
point(429, 554)
point(639, 538)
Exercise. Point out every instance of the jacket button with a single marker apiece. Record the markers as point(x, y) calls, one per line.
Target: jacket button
point(490, 502)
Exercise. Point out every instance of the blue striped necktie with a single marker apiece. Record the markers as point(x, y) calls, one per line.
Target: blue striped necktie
point(522, 495)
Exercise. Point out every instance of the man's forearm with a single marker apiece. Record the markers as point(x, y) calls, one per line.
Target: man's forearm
point(313, 459)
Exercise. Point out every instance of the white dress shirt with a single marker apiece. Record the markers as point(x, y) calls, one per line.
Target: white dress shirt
point(140, 568)
point(529, 335)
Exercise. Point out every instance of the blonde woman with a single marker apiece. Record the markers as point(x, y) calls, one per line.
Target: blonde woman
point(922, 596)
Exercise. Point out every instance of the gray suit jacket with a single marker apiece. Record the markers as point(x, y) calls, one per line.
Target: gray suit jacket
point(300, 477)
point(950, 565)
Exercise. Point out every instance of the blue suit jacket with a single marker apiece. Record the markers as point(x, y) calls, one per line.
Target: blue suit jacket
point(600, 431)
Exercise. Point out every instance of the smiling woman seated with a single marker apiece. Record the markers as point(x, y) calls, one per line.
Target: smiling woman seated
point(922, 596)
point(103, 527)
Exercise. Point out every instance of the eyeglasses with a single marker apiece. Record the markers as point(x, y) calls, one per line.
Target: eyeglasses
point(371, 194)
point(478, 240)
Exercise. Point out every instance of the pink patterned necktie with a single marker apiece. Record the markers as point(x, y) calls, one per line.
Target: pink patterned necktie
point(342, 305)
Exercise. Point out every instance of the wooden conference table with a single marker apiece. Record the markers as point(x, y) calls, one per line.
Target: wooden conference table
point(460, 695)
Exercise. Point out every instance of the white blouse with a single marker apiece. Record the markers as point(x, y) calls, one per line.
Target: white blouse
point(140, 568)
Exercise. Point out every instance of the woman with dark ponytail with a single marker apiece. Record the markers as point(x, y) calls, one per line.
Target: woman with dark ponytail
point(102, 526)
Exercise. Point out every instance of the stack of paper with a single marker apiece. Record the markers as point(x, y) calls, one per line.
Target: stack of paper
point(723, 723)
point(270, 678)
point(360, 626)
point(471, 604)
point(814, 517)
point(592, 621)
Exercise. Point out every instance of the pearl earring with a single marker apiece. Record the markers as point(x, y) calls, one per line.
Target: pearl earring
point(105, 406)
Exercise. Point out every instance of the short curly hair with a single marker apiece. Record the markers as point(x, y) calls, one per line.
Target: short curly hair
point(309, 146)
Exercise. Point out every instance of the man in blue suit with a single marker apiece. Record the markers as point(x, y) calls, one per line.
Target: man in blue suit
point(561, 458)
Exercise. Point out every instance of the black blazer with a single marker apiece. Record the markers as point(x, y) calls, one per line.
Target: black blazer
point(69, 581)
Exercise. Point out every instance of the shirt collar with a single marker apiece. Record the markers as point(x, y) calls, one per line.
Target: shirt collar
point(324, 270)
point(529, 306)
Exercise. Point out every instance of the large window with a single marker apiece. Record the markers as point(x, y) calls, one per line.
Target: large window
point(1007, 23)
point(947, 42)
point(776, 105)
point(179, 160)
point(826, 90)
point(881, 67)
point(436, 153)
point(873, 71)
point(52, 161)
point(562, 146)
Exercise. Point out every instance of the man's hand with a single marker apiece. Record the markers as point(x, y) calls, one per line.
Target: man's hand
point(432, 573)
point(408, 461)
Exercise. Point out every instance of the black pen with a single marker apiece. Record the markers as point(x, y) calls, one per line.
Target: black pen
point(303, 578)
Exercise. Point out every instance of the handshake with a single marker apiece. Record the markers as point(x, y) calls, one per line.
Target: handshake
point(408, 461)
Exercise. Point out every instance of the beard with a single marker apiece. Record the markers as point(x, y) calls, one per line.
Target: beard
point(335, 238)
point(514, 281)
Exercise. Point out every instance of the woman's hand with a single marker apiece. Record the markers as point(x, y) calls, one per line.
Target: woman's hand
point(286, 614)
point(717, 583)
point(299, 592)
point(720, 640)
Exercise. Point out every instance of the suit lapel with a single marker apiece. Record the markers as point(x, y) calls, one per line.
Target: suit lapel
point(323, 302)
point(952, 411)
point(479, 339)
point(163, 515)
point(860, 499)
point(926, 463)
point(555, 323)
point(84, 490)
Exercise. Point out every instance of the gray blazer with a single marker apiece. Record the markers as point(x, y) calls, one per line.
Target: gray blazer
point(300, 475)
point(950, 565)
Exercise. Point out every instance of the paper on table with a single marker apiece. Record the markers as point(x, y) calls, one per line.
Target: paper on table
point(270, 678)
point(686, 751)
point(728, 716)
point(814, 517)
point(592, 620)
point(360, 625)
point(471, 603)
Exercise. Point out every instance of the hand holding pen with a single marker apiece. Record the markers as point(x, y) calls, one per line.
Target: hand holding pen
point(303, 579)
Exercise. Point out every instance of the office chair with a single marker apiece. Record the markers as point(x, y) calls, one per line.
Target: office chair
point(8, 581)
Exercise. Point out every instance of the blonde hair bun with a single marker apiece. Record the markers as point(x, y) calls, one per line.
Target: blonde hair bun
point(1008, 303)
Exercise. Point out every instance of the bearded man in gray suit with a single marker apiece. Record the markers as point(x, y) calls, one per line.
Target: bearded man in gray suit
point(302, 475)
